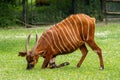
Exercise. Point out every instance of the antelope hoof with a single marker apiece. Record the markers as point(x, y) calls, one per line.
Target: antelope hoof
point(66, 63)
point(53, 66)
point(78, 65)
point(101, 68)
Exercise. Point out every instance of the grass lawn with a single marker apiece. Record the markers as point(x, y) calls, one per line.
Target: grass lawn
point(13, 67)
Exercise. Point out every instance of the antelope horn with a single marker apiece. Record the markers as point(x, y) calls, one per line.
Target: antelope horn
point(36, 42)
point(36, 37)
point(27, 42)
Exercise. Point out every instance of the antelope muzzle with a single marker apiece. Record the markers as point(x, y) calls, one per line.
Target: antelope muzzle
point(29, 66)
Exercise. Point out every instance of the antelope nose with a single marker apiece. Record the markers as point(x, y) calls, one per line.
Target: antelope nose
point(29, 66)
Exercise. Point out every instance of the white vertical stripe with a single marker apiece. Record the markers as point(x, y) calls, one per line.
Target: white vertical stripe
point(73, 30)
point(70, 33)
point(78, 33)
point(64, 35)
point(88, 28)
point(81, 27)
point(48, 43)
point(57, 33)
point(62, 46)
point(54, 41)
point(67, 36)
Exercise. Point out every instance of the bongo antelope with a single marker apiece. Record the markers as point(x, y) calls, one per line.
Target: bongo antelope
point(70, 34)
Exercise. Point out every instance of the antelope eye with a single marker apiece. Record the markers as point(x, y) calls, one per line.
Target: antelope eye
point(31, 60)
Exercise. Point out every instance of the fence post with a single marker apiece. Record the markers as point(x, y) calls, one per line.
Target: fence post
point(74, 6)
point(24, 3)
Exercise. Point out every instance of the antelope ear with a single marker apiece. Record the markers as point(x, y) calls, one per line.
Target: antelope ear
point(22, 54)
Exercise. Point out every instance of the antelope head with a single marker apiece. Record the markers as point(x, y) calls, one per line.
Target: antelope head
point(31, 58)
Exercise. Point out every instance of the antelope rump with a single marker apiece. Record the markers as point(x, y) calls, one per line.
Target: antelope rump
point(70, 34)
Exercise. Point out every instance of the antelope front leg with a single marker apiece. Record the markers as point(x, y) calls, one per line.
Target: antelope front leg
point(52, 63)
point(84, 53)
point(46, 61)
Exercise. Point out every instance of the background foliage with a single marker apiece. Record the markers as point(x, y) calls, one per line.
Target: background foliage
point(7, 12)
point(48, 11)
point(59, 9)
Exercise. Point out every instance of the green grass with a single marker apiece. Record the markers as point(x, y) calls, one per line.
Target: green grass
point(13, 67)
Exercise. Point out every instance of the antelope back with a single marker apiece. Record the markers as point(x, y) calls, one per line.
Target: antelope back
point(70, 34)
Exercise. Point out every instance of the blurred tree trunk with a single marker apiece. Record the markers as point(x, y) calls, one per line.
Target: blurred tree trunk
point(87, 2)
point(74, 6)
point(24, 2)
point(101, 10)
point(41, 2)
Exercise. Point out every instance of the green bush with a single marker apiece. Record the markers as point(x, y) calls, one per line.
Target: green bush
point(60, 9)
point(91, 7)
point(7, 15)
point(55, 12)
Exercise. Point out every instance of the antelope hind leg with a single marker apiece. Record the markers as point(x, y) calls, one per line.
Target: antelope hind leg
point(84, 52)
point(96, 49)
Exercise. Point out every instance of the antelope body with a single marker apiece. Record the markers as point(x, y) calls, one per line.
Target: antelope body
point(65, 37)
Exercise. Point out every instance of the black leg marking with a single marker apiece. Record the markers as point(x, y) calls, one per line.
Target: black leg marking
point(63, 64)
point(52, 65)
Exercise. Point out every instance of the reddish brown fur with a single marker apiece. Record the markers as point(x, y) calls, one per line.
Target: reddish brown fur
point(79, 29)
